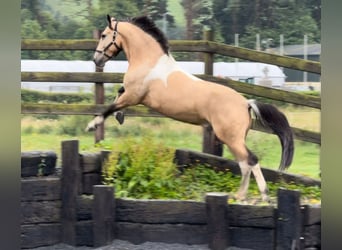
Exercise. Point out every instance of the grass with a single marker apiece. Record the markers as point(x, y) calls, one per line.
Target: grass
point(175, 135)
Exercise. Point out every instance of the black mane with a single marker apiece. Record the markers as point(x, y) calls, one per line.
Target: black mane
point(147, 25)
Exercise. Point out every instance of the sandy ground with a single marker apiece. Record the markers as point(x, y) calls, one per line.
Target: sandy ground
point(124, 245)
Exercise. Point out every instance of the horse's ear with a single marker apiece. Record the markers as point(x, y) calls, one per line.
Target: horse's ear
point(109, 20)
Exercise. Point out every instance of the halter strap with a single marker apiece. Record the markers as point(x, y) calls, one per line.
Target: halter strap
point(112, 43)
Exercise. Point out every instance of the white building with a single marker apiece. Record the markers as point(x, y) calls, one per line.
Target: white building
point(255, 73)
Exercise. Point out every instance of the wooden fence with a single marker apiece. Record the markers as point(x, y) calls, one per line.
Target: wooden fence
point(57, 208)
point(210, 48)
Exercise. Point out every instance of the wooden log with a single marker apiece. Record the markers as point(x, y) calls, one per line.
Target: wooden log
point(33, 212)
point(99, 99)
point(160, 211)
point(312, 236)
point(217, 220)
point(252, 238)
point(84, 77)
point(138, 233)
point(40, 189)
point(289, 220)
point(251, 216)
point(89, 180)
point(186, 46)
point(140, 111)
point(58, 44)
point(84, 207)
point(188, 157)
point(34, 163)
point(84, 233)
point(255, 90)
point(39, 235)
point(103, 215)
point(70, 181)
point(311, 215)
point(312, 226)
point(211, 144)
point(91, 162)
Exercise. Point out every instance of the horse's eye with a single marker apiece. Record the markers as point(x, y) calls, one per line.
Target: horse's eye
point(103, 36)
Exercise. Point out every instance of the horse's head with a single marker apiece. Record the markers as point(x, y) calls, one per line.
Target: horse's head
point(108, 45)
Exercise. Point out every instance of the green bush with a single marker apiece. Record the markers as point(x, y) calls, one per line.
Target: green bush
point(72, 125)
point(34, 96)
point(28, 130)
point(46, 129)
point(142, 169)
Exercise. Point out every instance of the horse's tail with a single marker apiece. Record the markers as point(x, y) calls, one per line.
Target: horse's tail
point(271, 117)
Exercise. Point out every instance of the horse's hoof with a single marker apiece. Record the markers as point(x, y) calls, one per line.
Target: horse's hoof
point(120, 117)
point(94, 123)
point(240, 198)
point(91, 127)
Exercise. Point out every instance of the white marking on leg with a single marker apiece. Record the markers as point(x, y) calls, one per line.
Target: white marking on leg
point(260, 180)
point(94, 123)
point(245, 177)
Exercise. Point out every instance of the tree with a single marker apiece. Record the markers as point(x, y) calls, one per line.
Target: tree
point(199, 15)
point(116, 8)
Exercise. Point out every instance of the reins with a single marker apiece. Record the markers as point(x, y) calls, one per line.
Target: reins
point(113, 42)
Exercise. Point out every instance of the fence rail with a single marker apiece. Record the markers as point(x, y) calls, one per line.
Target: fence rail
point(140, 111)
point(250, 89)
point(187, 46)
point(208, 47)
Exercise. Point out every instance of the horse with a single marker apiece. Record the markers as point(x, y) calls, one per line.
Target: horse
point(154, 79)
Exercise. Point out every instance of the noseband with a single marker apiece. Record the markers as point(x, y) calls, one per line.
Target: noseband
point(111, 43)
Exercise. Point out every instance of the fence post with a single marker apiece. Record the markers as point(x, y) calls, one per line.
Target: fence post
point(103, 215)
point(70, 185)
point(289, 220)
point(217, 220)
point(99, 99)
point(211, 144)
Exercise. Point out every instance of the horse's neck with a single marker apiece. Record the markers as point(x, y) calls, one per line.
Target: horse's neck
point(140, 47)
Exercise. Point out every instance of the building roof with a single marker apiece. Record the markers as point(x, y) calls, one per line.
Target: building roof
point(298, 50)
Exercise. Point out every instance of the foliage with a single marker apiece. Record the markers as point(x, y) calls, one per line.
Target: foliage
point(34, 96)
point(75, 19)
point(144, 168)
point(72, 125)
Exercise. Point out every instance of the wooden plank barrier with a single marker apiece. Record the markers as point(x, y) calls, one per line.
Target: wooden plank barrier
point(217, 220)
point(103, 215)
point(289, 221)
point(55, 210)
point(70, 189)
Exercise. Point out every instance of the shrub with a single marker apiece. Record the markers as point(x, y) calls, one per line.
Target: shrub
point(72, 125)
point(46, 129)
point(27, 130)
point(142, 169)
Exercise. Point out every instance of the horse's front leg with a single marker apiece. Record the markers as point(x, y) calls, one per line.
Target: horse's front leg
point(119, 103)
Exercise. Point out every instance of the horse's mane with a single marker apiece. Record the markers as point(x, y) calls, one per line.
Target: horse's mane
point(147, 25)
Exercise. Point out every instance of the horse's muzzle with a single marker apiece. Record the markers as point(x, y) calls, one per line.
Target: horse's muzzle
point(99, 59)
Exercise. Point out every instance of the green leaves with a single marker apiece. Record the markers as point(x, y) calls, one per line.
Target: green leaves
point(144, 169)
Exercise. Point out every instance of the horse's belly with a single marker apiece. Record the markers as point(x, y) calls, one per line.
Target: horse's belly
point(184, 116)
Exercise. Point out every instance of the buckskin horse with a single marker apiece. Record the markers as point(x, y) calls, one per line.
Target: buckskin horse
point(154, 79)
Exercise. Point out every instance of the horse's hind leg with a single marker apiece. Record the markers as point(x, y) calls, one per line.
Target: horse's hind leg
point(248, 163)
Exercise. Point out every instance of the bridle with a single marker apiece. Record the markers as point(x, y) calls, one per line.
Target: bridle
point(115, 30)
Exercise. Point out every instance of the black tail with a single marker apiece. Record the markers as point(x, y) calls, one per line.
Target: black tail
point(271, 117)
